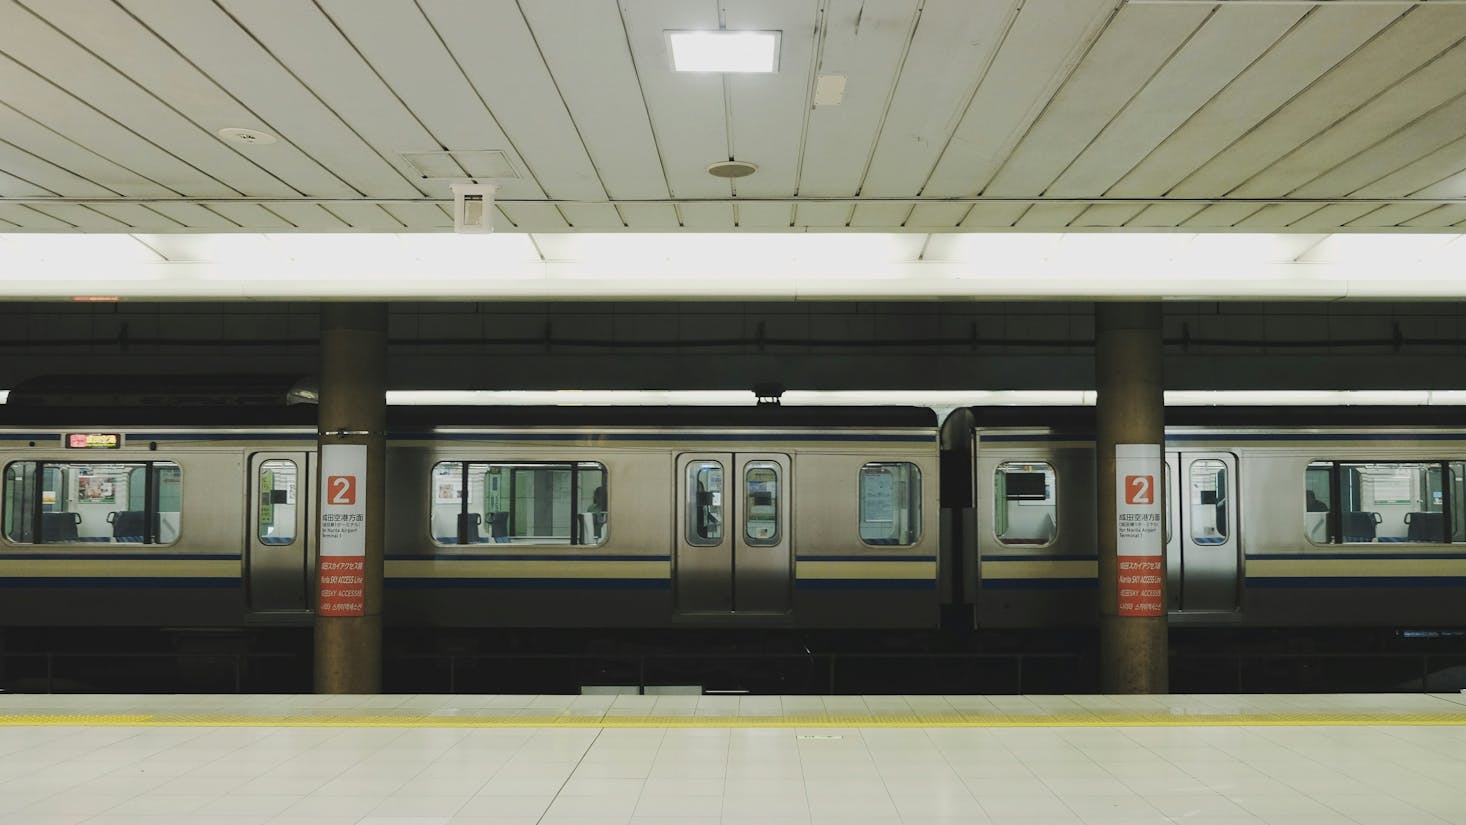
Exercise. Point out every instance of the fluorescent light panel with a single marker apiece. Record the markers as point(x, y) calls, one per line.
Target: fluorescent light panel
point(940, 399)
point(724, 51)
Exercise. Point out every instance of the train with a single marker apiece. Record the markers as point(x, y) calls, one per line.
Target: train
point(759, 517)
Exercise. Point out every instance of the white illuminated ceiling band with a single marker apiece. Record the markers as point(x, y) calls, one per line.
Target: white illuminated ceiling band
point(508, 266)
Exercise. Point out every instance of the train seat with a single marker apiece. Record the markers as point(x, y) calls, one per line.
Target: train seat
point(127, 525)
point(1425, 527)
point(60, 526)
point(1360, 526)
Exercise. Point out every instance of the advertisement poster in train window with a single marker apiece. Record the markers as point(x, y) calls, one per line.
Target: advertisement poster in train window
point(1139, 543)
point(343, 530)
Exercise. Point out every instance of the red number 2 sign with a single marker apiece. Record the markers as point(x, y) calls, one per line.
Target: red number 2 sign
point(341, 490)
point(1140, 489)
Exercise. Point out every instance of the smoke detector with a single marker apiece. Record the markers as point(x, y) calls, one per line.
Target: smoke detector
point(248, 137)
point(732, 169)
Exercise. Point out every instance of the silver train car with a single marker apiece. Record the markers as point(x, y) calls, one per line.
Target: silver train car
point(509, 517)
point(730, 517)
point(1308, 518)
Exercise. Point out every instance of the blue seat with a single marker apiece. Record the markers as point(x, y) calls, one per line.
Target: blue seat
point(1361, 526)
point(1425, 527)
point(60, 526)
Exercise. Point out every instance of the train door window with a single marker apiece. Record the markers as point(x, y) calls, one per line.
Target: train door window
point(75, 502)
point(519, 503)
point(761, 504)
point(275, 491)
point(1209, 499)
point(890, 503)
point(1025, 506)
point(704, 503)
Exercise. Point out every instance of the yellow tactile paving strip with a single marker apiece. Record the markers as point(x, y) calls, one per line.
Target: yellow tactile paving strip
point(613, 720)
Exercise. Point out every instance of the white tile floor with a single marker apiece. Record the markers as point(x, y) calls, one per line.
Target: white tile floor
point(1377, 774)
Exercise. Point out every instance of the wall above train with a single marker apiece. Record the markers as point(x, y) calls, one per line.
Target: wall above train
point(733, 345)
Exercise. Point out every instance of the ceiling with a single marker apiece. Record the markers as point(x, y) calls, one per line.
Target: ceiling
point(1041, 115)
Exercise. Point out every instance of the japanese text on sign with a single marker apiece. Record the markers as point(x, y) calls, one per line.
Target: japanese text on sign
point(342, 568)
point(1139, 530)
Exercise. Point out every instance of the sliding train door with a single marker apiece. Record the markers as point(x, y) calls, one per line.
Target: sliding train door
point(734, 539)
point(1203, 547)
point(278, 558)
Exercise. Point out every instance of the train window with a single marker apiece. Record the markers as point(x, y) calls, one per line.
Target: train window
point(1026, 503)
point(761, 503)
point(275, 491)
point(890, 503)
point(1209, 499)
point(1365, 502)
point(111, 503)
point(705, 503)
point(520, 502)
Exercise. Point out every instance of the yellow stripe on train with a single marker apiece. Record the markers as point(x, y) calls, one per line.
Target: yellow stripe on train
point(911, 570)
point(164, 567)
point(1314, 568)
point(521, 569)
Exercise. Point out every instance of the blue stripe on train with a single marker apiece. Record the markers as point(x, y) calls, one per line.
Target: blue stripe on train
point(1039, 584)
point(593, 438)
point(121, 582)
point(527, 584)
point(865, 584)
point(1016, 438)
point(515, 557)
point(1285, 582)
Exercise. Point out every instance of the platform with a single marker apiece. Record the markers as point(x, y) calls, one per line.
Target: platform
point(706, 760)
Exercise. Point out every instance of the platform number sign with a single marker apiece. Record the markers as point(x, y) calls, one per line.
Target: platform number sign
point(1140, 489)
point(342, 573)
point(1139, 543)
point(341, 490)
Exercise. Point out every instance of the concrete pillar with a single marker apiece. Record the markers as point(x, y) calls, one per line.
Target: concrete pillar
point(1132, 572)
point(353, 406)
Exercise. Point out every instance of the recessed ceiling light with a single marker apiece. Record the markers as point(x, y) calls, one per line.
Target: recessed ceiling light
point(732, 169)
point(724, 51)
point(249, 137)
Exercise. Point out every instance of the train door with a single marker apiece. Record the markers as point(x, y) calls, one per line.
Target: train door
point(734, 536)
point(1202, 543)
point(278, 556)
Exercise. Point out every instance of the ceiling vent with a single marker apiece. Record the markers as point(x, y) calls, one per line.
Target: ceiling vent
point(473, 164)
point(732, 169)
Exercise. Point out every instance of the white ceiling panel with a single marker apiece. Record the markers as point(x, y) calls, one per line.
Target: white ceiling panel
point(1393, 214)
point(194, 217)
point(408, 53)
point(1452, 215)
point(949, 56)
point(1225, 45)
point(117, 38)
point(27, 217)
point(1412, 41)
point(871, 215)
point(514, 82)
point(591, 66)
point(308, 217)
point(1048, 217)
point(32, 95)
point(264, 217)
point(1135, 45)
point(866, 43)
point(1319, 42)
point(79, 71)
point(1370, 140)
point(84, 218)
point(234, 59)
point(706, 216)
point(823, 215)
point(768, 112)
point(688, 109)
point(1044, 43)
point(764, 215)
point(1113, 115)
point(945, 216)
point(28, 135)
